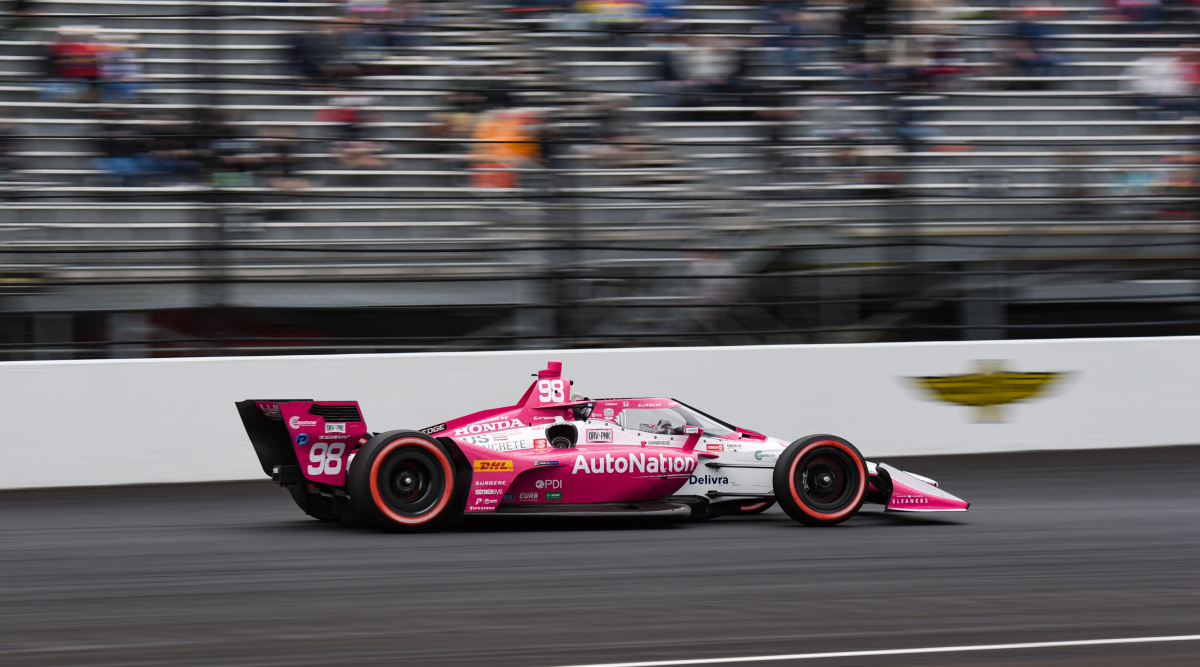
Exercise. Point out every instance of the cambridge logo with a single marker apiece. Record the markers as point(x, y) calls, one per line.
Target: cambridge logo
point(988, 389)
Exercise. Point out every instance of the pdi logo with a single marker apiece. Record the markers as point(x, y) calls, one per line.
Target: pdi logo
point(548, 484)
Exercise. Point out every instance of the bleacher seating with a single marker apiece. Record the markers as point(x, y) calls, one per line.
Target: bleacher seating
point(1005, 161)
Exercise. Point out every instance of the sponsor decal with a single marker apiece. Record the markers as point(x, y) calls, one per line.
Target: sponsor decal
point(689, 430)
point(650, 405)
point(599, 435)
point(302, 439)
point(296, 422)
point(540, 444)
point(489, 482)
point(715, 447)
point(909, 500)
point(548, 484)
point(335, 437)
point(655, 464)
point(487, 427)
point(553, 496)
point(545, 419)
point(609, 413)
point(430, 430)
point(506, 446)
point(545, 463)
point(708, 479)
point(486, 501)
point(529, 495)
point(624, 404)
point(335, 427)
point(507, 498)
point(489, 492)
point(988, 388)
point(270, 410)
point(762, 456)
point(659, 443)
point(493, 466)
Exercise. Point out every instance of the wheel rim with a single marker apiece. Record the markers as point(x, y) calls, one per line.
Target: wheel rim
point(826, 479)
point(409, 482)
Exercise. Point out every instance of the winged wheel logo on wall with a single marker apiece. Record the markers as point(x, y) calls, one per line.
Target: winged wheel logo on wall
point(989, 388)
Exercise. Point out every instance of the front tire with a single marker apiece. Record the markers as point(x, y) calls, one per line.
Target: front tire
point(820, 480)
point(403, 480)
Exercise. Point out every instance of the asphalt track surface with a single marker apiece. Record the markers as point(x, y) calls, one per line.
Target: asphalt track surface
point(1056, 547)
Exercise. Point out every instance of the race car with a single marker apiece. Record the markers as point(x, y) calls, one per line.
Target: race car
point(554, 453)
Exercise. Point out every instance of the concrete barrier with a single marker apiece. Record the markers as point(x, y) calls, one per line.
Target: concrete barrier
point(75, 423)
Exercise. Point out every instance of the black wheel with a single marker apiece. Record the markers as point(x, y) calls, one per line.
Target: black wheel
point(820, 480)
point(757, 507)
point(403, 480)
point(313, 504)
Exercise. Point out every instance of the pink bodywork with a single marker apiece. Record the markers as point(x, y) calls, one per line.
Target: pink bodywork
point(910, 494)
point(322, 447)
point(597, 470)
point(608, 464)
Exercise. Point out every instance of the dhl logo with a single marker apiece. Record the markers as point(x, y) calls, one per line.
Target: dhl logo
point(493, 466)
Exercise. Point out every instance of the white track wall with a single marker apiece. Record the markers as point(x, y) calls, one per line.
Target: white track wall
point(74, 423)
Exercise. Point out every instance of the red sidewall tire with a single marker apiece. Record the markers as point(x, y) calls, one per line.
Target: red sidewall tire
point(374, 500)
point(794, 501)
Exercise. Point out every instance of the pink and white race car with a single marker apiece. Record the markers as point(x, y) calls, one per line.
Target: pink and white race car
point(552, 453)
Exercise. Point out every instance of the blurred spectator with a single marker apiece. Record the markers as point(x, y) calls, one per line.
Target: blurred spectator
point(947, 60)
point(620, 18)
point(504, 141)
point(663, 15)
point(20, 16)
point(834, 125)
point(72, 65)
point(271, 157)
point(317, 56)
point(864, 28)
point(120, 69)
point(146, 150)
point(405, 21)
point(711, 71)
point(1140, 15)
point(908, 123)
point(123, 147)
point(785, 28)
point(279, 159)
point(1033, 49)
point(908, 62)
point(352, 117)
point(1161, 81)
point(9, 138)
point(174, 151)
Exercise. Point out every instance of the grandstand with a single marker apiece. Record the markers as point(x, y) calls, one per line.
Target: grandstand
point(812, 204)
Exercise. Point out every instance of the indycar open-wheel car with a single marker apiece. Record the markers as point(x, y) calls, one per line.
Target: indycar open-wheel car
point(553, 454)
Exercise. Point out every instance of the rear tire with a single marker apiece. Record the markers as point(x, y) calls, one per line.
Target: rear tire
point(820, 480)
point(755, 507)
point(403, 480)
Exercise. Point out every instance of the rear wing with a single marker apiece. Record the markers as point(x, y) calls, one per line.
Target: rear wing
point(298, 440)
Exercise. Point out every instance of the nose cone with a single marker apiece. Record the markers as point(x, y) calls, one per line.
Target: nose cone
point(910, 494)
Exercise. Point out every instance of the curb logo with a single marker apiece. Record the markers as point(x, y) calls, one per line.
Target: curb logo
point(988, 388)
